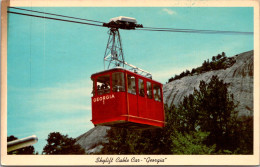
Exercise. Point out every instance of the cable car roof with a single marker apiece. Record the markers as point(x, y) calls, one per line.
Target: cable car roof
point(121, 68)
point(124, 18)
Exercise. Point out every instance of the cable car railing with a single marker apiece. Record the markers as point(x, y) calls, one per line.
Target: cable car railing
point(134, 69)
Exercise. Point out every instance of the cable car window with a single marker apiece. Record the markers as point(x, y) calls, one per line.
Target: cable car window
point(131, 84)
point(93, 88)
point(118, 82)
point(149, 90)
point(157, 92)
point(103, 84)
point(141, 87)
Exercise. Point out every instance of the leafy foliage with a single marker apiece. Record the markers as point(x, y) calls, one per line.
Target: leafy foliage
point(205, 122)
point(191, 143)
point(130, 141)
point(25, 150)
point(61, 144)
point(218, 62)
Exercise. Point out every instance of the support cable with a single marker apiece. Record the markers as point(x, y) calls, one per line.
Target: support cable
point(51, 18)
point(196, 31)
point(139, 27)
point(56, 14)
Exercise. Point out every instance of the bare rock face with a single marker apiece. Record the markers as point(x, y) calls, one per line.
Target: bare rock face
point(239, 76)
point(92, 140)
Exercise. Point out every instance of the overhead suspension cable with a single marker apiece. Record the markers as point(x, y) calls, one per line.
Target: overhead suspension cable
point(51, 18)
point(56, 15)
point(139, 28)
point(195, 31)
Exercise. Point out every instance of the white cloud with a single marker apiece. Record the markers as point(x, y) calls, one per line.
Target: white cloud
point(64, 93)
point(67, 90)
point(60, 100)
point(63, 107)
point(67, 97)
point(169, 11)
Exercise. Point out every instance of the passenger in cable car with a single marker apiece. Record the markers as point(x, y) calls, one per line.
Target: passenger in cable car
point(118, 82)
point(157, 93)
point(141, 87)
point(99, 90)
point(115, 86)
point(131, 84)
point(106, 87)
point(103, 86)
point(149, 90)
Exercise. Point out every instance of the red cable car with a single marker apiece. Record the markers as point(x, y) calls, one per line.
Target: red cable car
point(123, 98)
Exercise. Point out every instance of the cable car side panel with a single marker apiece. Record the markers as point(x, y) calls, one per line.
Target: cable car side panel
point(107, 108)
point(132, 103)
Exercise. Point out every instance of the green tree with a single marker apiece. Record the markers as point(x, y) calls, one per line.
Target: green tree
point(61, 144)
point(243, 135)
point(25, 150)
point(223, 54)
point(117, 144)
point(206, 65)
point(216, 113)
point(193, 71)
point(212, 109)
point(190, 143)
point(218, 56)
point(213, 58)
point(132, 141)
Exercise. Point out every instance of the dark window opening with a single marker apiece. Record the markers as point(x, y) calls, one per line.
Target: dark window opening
point(141, 87)
point(93, 88)
point(149, 90)
point(103, 84)
point(118, 82)
point(131, 84)
point(157, 92)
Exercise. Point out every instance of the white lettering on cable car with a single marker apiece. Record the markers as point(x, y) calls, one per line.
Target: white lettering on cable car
point(103, 98)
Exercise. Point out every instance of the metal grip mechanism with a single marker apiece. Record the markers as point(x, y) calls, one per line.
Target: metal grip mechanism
point(122, 25)
point(114, 56)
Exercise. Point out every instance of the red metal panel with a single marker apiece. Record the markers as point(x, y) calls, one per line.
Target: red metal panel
point(141, 106)
point(146, 121)
point(150, 110)
point(108, 106)
point(157, 111)
point(132, 104)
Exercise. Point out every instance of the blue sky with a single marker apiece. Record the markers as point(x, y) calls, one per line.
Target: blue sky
point(50, 62)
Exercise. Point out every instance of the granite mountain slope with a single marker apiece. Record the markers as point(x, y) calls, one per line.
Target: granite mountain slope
point(239, 77)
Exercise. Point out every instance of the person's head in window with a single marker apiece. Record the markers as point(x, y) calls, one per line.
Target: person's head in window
point(103, 86)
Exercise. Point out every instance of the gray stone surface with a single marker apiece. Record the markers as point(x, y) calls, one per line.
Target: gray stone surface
point(92, 140)
point(239, 76)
